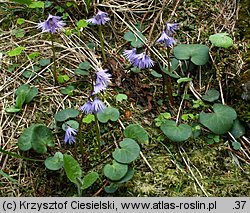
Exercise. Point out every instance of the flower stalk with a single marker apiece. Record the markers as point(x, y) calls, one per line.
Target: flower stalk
point(102, 44)
point(169, 83)
point(98, 135)
point(54, 60)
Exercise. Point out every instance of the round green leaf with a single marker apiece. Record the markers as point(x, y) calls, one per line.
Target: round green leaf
point(109, 113)
point(54, 163)
point(121, 97)
point(197, 53)
point(135, 41)
point(176, 133)
point(211, 95)
point(127, 177)
point(18, 33)
point(84, 65)
point(221, 40)
point(111, 188)
point(88, 118)
point(81, 72)
point(38, 137)
point(238, 129)
point(82, 23)
point(44, 62)
point(236, 145)
point(68, 90)
point(72, 168)
point(221, 121)
point(116, 171)
point(20, 21)
point(72, 123)
point(65, 114)
point(89, 180)
point(28, 73)
point(137, 133)
point(129, 150)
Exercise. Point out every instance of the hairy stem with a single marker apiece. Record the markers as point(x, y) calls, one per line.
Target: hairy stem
point(102, 44)
point(54, 59)
point(169, 84)
point(98, 134)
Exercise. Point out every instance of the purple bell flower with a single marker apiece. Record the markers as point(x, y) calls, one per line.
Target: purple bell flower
point(99, 19)
point(143, 61)
point(70, 135)
point(93, 106)
point(87, 107)
point(52, 24)
point(170, 28)
point(98, 88)
point(97, 106)
point(167, 40)
point(102, 77)
point(102, 80)
point(130, 54)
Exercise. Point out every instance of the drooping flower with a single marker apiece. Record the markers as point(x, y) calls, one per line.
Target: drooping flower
point(98, 88)
point(102, 80)
point(70, 135)
point(170, 28)
point(97, 106)
point(87, 107)
point(93, 106)
point(130, 54)
point(102, 77)
point(100, 18)
point(167, 40)
point(52, 24)
point(142, 61)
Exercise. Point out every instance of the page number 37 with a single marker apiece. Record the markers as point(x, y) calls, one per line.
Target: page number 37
point(239, 204)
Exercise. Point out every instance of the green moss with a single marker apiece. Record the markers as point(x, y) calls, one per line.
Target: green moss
point(218, 174)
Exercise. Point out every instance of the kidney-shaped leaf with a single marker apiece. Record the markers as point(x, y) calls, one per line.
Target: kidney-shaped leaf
point(221, 40)
point(109, 113)
point(111, 188)
point(221, 121)
point(211, 95)
point(129, 150)
point(238, 129)
point(72, 168)
point(65, 114)
point(55, 162)
point(176, 133)
point(136, 132)
point(38, 137)
point(135, 41)
point(197, 53)
point(129, 175)
point(116, 171)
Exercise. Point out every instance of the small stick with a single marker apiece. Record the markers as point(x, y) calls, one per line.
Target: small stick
point(201, 187)
point(182, 100)
point(217, 71)
point(99, 191)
